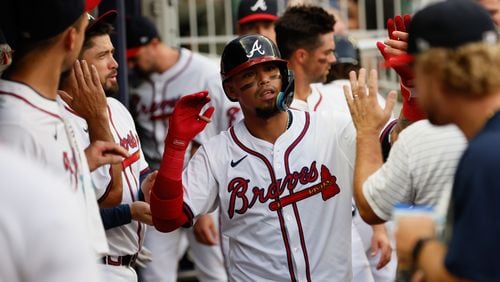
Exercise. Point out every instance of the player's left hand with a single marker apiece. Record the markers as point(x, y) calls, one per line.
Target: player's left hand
point(205, 231)
point(147, 185)
point(141, 212)
point(380, 242)
point(409, 229)
point(83, 92)
point(367, 115)
point(99, 153)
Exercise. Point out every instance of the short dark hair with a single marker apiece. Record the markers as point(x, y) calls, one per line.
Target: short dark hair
point(300, 27)
point(101, 29)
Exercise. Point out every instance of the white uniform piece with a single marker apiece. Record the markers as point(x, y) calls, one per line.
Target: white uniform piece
point(126, 239)
point(311, 165)
point(40, 237)
point(330, 97)
point(153, 103)
point(37, 127)
point(420, 169)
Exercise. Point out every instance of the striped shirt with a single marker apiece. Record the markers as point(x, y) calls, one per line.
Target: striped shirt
point(420, 169)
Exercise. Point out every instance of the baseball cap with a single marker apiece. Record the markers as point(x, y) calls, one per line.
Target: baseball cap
point(35, 20)
point(448, 24)
point(107, 17)
point(345, 50)
point(257, 10)
point(140, 31)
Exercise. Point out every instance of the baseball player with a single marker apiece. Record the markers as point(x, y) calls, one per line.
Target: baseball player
point(281, 178)
point(32, 118)
point(305, 34)
point(171, 73)
point(257, 17)
point(40, 238)
point(125, 241)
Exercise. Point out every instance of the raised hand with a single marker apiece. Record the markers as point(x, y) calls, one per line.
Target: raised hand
point(186, 121)
point(396, 45)
point(83, 92)
point(99, 153)
point(367, 114)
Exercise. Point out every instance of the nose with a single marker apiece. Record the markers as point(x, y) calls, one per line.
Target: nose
point(331, 58)
point(263, 78)
point(113, 64)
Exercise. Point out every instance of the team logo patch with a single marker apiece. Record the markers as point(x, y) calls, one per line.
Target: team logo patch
point(256, 47)
point(238, 187)
point(260, 4)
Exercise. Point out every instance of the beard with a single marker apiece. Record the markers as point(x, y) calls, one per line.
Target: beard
point(111, 90)
point(265, 113)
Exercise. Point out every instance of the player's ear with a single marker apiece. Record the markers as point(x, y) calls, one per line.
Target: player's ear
point(230, 91)
point(300, 55)
point(69, 38)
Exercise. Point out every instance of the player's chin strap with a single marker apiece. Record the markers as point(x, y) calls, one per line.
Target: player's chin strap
point(285, 98)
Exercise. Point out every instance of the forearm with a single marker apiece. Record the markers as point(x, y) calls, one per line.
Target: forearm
point(431, 262)
point(368, 160)
point(117, 216)
point(167, 193)
point(99, 129)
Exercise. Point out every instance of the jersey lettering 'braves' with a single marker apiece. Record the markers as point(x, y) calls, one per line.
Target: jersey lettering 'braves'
point(125, 239)
point(288, 204)
point(259, 4)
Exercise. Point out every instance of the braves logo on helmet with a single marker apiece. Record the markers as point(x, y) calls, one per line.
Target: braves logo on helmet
point(256, 47)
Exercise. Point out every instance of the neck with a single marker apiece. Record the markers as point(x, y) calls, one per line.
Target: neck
point(40, 71)
point(475, 114)
point(267, 129)
point(167, 57)
point(302, 85)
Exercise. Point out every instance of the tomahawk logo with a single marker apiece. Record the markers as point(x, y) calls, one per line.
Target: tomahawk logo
point(260, 4)
point(256, 48)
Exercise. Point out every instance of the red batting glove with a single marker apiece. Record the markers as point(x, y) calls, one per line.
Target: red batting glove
point(186, 121)
point(410, 108)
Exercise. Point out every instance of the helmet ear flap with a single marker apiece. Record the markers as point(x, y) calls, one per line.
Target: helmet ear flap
point(285, 97)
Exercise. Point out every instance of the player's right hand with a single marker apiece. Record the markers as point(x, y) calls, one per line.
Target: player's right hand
point(83, 92)
point(205, 230)
point(396, 45)
point(141, 212)
point(186, 121)
point(99, 153)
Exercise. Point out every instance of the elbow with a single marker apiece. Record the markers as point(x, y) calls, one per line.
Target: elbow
point(113, 198)
point(369, 216)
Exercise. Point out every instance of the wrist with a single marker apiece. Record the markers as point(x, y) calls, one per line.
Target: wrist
point(364, 134)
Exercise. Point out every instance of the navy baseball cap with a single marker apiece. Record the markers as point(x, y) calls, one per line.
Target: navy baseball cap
point(345, 50)
point(35, 20)
point(257, 10)
point(448, 24)
point(107, 17)
point(140, 31)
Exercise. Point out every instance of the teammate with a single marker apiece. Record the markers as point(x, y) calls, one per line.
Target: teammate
point(305, 35)
point(32, 119)
point(125, 241)
point(282, 182)
point(40, 239)
point(457, 79)
point(257, 17)
point(420, 168)
point(169, 74)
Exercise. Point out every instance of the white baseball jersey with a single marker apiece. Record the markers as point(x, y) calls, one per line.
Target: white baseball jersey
point(126, 239)
point(154, 100)
point(41, 237)
point(419, 170)
point(37, 127)
point(285, 208)
point(330, 98)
